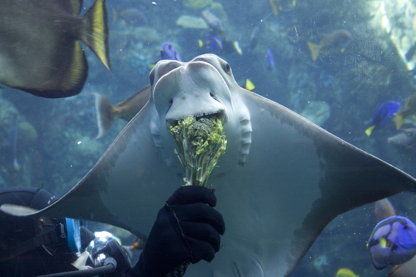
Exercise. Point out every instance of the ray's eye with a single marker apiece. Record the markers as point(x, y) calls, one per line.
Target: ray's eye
point(226, 68)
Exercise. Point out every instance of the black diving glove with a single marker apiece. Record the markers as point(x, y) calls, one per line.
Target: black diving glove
point(187, 229)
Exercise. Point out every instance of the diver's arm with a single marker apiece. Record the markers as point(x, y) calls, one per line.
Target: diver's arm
point(187, 230)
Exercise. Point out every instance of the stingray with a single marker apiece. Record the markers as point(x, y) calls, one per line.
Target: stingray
point(281, 180)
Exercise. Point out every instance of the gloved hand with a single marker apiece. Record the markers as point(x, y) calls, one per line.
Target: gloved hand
point(187, 229)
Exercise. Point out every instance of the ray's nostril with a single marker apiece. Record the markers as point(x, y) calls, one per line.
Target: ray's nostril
point(213, 96)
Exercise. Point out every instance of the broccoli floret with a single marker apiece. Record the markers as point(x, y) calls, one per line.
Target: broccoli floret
point(200, 143)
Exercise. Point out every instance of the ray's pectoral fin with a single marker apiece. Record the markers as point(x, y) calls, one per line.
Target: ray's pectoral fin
point(342, 177)
point(352, 178)
point(120, 189)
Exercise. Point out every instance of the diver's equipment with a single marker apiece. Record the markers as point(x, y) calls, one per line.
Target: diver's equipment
point(107, 255)
point(73, 231)
point(187, 229)
point(106, 245)
point(55, 236)
point(110, 266)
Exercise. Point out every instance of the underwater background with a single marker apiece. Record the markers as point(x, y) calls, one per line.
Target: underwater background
point(365, 57)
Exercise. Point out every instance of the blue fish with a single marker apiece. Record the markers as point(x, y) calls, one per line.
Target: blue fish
point(384, 112)
point(217, 44)
point(213, 42)
point(169, 52)
point(392, 242)
point(270, 63)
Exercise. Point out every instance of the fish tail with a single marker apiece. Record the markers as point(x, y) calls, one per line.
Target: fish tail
point(370, 130)
point(398, 120)
point(314, 49)
point(249, 85)
point(95, 31)
point(105, 114)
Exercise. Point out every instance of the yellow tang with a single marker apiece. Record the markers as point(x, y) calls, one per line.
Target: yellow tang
point(249, 85)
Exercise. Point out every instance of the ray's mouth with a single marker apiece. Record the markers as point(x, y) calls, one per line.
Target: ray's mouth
point(217, 115)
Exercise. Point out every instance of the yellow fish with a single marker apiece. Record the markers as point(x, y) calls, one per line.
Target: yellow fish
point(249, 85)
point(408, 110)
point(345, 272)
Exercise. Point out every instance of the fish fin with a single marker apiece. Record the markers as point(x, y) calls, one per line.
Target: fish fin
point(398, 120)
point(77, 74)
point(105, 114)
point(314, 49)
point(370, 130)
point(249, 85)
point(95, 32)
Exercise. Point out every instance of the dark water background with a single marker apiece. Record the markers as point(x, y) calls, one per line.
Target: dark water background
point(57, 146)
